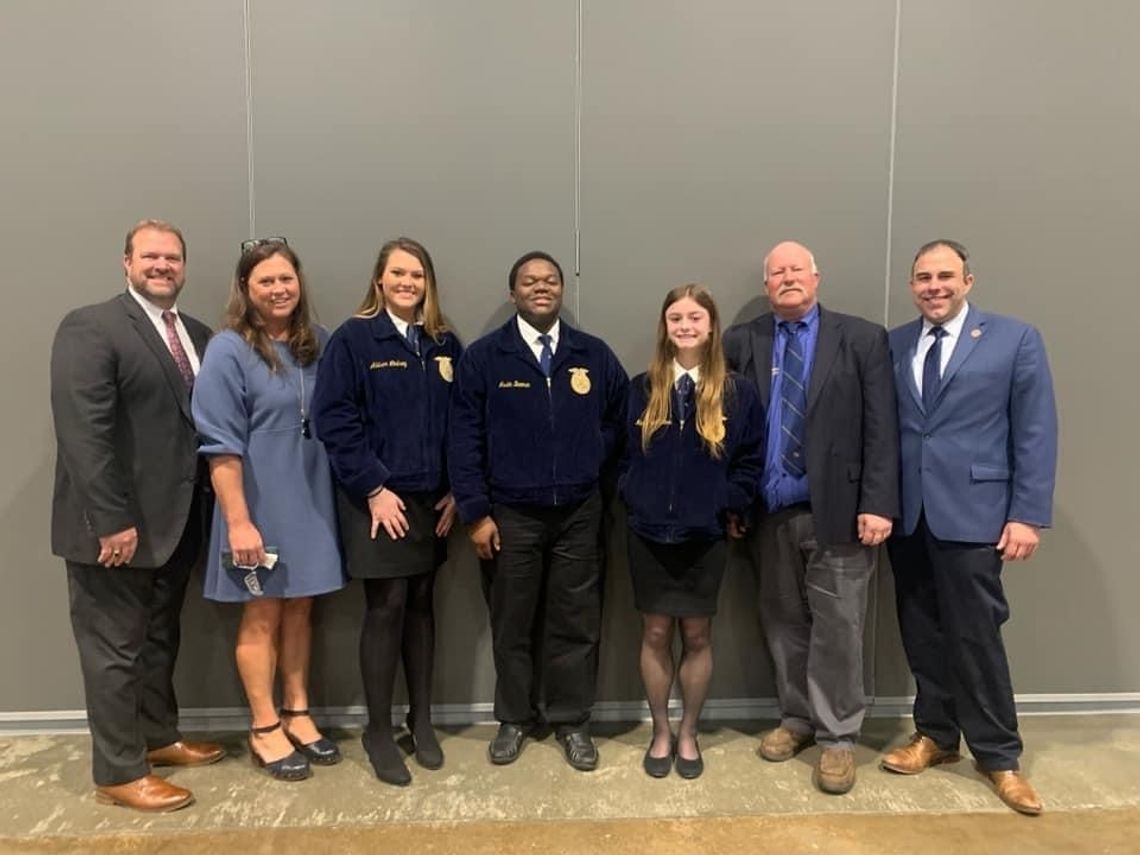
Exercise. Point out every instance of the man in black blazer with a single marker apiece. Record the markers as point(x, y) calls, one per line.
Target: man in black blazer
point(128, 515)
point(830, 490)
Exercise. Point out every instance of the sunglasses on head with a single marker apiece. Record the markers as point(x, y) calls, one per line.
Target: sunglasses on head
point(254, 243)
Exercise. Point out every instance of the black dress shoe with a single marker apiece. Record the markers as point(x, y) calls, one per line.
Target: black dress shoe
point(292, 767)
point(428, 753)
point(689, 769)
point(386, 760)
point(657, 767)
point(321, 751)
point(580, 750)
point(507, 744)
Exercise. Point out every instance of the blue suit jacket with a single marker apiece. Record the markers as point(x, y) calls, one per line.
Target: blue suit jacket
point(986, 453)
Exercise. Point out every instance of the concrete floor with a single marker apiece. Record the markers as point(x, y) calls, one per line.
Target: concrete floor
point(1084, 767)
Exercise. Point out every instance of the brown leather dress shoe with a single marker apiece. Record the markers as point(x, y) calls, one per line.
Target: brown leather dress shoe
point(783, 744)
point(186, 754)
point(835, 770)
point(149, 793)
point(1013, 789)
point(921, 753)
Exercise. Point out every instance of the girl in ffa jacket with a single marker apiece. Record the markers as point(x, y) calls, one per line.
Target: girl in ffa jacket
point(692, 470)
point(381, 410)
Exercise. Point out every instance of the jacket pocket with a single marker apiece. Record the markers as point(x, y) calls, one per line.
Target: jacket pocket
point(986, 472)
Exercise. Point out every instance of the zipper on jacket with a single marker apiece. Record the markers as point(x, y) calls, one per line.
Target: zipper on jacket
point(553, 457)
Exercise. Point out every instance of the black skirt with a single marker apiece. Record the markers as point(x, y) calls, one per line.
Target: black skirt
point(417, 552)
point(676, 579)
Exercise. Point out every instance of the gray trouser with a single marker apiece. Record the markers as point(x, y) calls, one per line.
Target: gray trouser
point(813, 602)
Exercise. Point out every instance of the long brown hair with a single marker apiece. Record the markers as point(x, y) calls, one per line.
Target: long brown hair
point(710, 387)
point(373, 302)
point(242, 318)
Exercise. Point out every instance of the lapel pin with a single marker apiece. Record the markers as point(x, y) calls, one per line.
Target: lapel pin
point(975, 333)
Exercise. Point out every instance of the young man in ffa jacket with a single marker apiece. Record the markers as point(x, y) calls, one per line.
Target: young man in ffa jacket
point(536, 413)
point(830, 490)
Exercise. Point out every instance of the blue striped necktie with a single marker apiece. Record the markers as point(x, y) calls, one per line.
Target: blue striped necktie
point(793, 399)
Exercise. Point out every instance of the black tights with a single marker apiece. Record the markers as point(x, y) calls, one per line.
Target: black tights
point(398, 618)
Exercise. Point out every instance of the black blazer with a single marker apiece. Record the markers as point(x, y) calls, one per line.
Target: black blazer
point(127, 452)
point(852, 425)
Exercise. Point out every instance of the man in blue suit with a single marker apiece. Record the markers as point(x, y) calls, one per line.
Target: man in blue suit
point(978, 437)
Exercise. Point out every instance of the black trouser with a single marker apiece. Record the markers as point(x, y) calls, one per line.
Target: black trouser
point(951, 607)
point(548, 567)
point(126, 622)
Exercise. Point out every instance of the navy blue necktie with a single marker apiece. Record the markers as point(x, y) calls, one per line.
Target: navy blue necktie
point(793, 399)
point(414, 338)
point(932, 369)
point(546, 358)
point(684, 395)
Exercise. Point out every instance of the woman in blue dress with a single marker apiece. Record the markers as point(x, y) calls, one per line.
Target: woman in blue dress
point(273, 545)
point(692, 469)
point(381, 407)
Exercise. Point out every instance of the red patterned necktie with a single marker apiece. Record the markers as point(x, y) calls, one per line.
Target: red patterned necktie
point(177, 350)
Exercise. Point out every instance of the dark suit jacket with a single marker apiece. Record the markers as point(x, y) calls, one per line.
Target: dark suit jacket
point(986, 453)
point(126, 445)
point(852, 428)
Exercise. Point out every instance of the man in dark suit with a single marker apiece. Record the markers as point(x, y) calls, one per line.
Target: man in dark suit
point(978, 432)
point(128, 515)
point(830, 489)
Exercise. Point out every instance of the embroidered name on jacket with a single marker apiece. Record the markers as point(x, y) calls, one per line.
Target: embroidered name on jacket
point(388, 363)
point(514, 384)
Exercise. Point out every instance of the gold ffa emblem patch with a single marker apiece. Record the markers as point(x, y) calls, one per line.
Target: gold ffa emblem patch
point(579, 381)
point(445, 369)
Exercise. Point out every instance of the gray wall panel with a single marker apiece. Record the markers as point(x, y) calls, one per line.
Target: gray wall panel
point(1018, 126)
point(709, 133)
point(111, 113)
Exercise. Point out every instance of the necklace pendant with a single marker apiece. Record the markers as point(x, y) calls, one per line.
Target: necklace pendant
point(306, 431)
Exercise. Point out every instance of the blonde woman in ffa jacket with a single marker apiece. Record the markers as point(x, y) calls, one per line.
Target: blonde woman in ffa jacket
point(537, 413)
point(692, 469)
point(381, 409)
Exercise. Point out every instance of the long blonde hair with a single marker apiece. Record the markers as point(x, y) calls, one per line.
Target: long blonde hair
point(373, 302)
point(710, 388)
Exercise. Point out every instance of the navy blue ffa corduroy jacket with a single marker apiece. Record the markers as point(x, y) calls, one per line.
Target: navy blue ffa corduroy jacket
point(381, 411)
point(676, 491)
point(518, 440)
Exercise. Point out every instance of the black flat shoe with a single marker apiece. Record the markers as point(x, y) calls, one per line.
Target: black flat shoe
point(658, 767)
point(385, 758)
point(581, 753)
point(428, 753)
point(292, 767)
point(507, 744)
point(322, 751)
point(689, 769)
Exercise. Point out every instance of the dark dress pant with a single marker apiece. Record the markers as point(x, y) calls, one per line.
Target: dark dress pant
point(951, 607)
point(126, 622)
point(546, 585)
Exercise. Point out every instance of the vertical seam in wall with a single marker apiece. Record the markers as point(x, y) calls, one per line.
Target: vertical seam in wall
point(249, 115)
point(886, 315)
point(891, 165)
point(578, 168)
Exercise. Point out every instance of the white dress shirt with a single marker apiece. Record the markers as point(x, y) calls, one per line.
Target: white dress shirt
point(155, 314)
point(399, 323)
point(953, 328)
point(694, 372)
point(530, 336)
